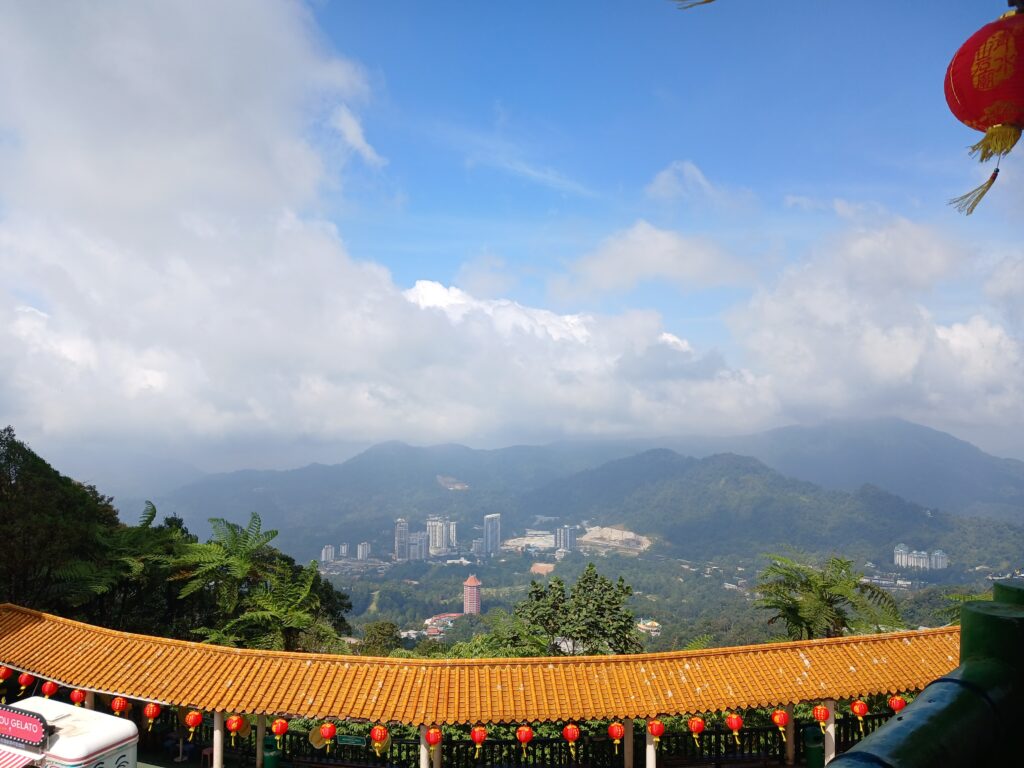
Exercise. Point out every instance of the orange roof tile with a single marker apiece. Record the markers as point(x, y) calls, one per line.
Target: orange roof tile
point(425, 691)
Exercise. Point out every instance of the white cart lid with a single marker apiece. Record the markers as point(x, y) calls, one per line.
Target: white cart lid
point(80, 734)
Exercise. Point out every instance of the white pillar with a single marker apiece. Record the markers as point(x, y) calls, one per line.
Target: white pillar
point(790, 736)
point(424, 748)
point(90, 700)
point(830, 731)
point(439, 754)
point(650, 750)
point(218, 740)
point(627, 743)
point(261, 731)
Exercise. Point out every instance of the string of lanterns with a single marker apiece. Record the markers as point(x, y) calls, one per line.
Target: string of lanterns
point(380, 739)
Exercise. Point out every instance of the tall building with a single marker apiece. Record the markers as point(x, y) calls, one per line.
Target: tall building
point(899, 555)
point(327, 554)
point(419, 546)
point(363, 550)
point(343, 549)
point(471, 595)
point(451, 537)
point(565, 538)
point(437, 535)
point(492, 533)
point(401, 539)
point(938, 560)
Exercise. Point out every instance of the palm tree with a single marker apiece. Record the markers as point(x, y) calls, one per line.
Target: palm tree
point(232, 564)
point(823, 602)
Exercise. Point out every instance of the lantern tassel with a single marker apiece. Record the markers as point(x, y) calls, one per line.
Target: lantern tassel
point(476, 755)
point(278, 742)
point(736, 735)
point(696, 740)
point(822, 724)
point(782, 733)
point(191, 733)
point(572, 749)
point(968, 202)
point(997, 142)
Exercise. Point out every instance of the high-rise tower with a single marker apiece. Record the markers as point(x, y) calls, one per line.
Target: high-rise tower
point(401, 540)
point(471, 595)
point(492, 533)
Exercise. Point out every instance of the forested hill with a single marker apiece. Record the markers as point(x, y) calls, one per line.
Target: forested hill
point(735, 505)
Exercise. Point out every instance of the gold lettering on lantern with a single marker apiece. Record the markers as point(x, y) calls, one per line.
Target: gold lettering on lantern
point(994, 62)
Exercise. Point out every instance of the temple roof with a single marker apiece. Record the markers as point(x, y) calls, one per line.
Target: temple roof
point(439, 691)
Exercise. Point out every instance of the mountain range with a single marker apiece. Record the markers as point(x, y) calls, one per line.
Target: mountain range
point(858, 486)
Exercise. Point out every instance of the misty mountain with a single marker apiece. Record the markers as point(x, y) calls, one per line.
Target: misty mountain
point(735, 505)
point(918, 463)
point(360, 498)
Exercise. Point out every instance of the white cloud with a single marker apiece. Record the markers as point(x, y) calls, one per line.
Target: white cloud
point(644, 252)
point(849, 333)
point(682, 180)
point(348, 125)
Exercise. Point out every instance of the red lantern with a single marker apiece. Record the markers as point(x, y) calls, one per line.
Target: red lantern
point(327, 730)
point(378, 738)
point(656, 728)
point(5, 673)
point(279, 728)
point(524, 734)
point(25, 680)
point(433, 737)
point(77, 697)
point(820, 713)
point(734, 722)
point(781, 718)
point(615, 732)
point(571, 733)
point(479, 735)
point(49, 688)
point(696, 726)
point(234, 725)
point(119, 704)
point(151, 711)
point(859, 708)
point(985, 91)
point(897, 703)
point(193, 720)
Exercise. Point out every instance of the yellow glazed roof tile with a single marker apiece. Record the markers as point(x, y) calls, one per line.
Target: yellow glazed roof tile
point(425, 691)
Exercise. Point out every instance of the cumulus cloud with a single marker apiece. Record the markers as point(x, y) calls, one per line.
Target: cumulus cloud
point(645, 252)
point(850, 333)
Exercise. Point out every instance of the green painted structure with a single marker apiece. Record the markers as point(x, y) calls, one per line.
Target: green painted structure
point(972, 716)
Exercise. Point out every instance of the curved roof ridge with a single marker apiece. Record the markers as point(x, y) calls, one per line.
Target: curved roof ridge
point(181, 672)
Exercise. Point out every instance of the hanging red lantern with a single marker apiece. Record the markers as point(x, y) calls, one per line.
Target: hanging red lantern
point(524, 734)
point(897, 703)
point(5, 674)
point(327, 730)
point(49, 688)
point(25, 680)
point(119, 704)
point(781, 719)
point(859, 708)
point(378, 738)
point(193, 720)
point(657, 729)
point(985, 91)
point(615, 732)
point(820, 713)
point(151, 712)
point(433, 737)
point(234, 725)
point(478, 734)
point(734, 722)
point(696, 726)
point(279, 728)
point(571, 733)
point(77, 697)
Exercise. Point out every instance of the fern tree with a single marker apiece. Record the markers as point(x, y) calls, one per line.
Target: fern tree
point(826, 601)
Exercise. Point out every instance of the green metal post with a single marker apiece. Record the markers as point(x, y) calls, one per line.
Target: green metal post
point(970, 717)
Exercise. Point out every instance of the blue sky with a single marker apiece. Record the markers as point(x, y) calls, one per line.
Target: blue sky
point(232, 225)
